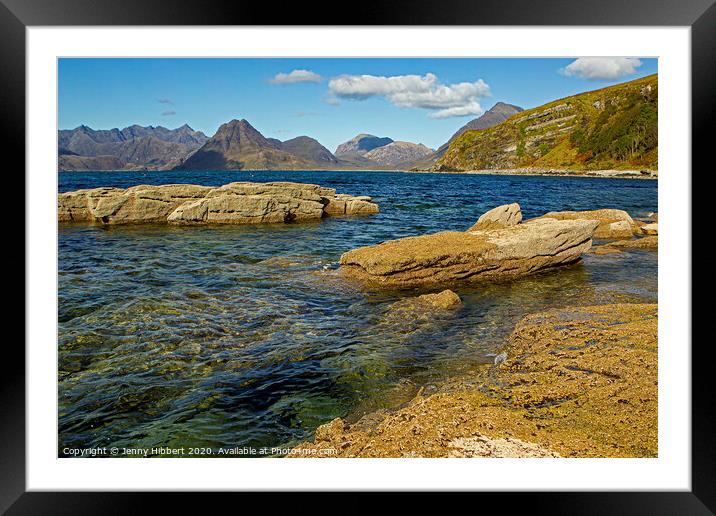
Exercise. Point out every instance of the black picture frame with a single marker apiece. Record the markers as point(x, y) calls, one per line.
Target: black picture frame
point(700, 15)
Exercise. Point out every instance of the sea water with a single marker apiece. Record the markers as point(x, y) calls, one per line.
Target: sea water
point(243, 337)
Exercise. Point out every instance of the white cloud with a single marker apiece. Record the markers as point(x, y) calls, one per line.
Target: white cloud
point(474, 108)
point(601, 67)
point(296, 76)
point(413, 91)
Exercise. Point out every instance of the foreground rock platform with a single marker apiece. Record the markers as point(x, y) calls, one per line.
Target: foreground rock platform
point(575, 382)
point(233, 203)
point(451, 256)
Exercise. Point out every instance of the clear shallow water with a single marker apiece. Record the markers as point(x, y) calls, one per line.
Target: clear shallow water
point(245, 336)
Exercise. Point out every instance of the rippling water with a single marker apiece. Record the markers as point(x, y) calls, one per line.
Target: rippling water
point(244, 335)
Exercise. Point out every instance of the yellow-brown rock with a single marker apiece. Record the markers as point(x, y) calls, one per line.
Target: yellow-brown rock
point(647, 242)
point(449, 257)
point(650, 229)
point(576, 382)
point(500, 217)
point(234, 203)
point(613, 224)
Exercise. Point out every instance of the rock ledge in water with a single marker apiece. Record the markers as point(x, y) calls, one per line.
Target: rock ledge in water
point(613, 224)
point(470, 256)
point(233, 203)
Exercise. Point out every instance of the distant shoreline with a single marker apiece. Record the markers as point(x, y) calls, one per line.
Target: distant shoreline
point(609, 174)
point(603, 174)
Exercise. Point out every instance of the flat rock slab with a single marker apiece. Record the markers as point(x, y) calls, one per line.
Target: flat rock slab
point(447, 257)
point(233, 203)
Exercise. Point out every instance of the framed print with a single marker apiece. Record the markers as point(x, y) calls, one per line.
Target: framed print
point(419, 252)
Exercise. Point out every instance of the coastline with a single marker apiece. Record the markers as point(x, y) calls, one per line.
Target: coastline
point(600, 174)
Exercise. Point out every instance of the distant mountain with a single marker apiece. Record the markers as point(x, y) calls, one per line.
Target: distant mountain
point(495, 115)
point(238, 145)
point(133, 147)
point(610, 128)
point(75, 162)
point(397, 152)
point(360, 145)
point(184, 134)
point(374, 152)
point(309, 149)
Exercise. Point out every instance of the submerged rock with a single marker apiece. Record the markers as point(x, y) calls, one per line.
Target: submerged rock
point(605, 249)
point(647, 242)
point(445, 300)
point(233, 203)
point(612, 223)
point(471, 256)
point(408, 315)
point(575, 382)
point(500, 217)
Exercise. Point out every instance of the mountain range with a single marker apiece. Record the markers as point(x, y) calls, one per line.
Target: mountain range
point(135, 146)
point(611, 128)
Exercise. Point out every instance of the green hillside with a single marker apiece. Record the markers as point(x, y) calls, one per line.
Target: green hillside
point(611, 128)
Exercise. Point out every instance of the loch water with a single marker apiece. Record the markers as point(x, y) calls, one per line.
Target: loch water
point(245, 336)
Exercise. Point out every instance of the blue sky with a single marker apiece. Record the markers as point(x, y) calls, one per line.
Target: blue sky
point(332, 100)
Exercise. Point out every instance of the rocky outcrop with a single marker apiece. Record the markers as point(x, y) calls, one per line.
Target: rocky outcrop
point(451, 256)
point(500, 217)
point(575, 382)
point(234, 203)
point(613, 224)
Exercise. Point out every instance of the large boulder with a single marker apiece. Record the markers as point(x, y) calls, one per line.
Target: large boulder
point(234, 203)
point(501, 217)
point(452, 256)
point(613, 224)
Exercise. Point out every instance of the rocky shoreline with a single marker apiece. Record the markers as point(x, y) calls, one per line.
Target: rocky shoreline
point(569, 382)
point(233, 203)
point(574, 382)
